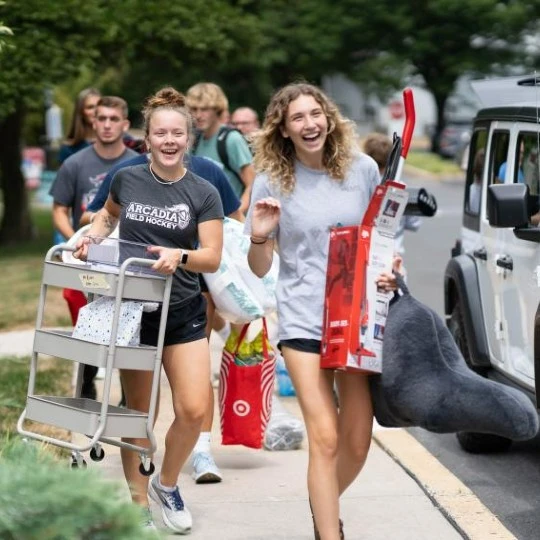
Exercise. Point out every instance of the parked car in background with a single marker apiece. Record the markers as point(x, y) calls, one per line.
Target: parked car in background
point(454, 138)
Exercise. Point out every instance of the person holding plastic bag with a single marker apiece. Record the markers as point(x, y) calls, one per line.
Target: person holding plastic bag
point(180, 215)
point(311, 176)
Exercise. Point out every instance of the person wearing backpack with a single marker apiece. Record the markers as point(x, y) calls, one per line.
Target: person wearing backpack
point(218, 142)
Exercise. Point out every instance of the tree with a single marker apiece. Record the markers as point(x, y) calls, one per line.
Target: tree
point(146, 44)
point(50, 43)
point(439, 39)
point(182, 43)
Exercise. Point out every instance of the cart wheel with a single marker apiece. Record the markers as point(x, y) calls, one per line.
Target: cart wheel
point(149, 472)
point(97, 453)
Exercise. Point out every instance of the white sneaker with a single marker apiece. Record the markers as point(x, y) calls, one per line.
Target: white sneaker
point(205, 470)
point(175, 513)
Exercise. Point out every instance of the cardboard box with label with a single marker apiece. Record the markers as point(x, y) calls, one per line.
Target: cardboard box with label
point(355, 311)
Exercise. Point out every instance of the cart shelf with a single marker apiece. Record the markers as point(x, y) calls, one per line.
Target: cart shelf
point(87, 278)
point(61, 343)
point(82, 415)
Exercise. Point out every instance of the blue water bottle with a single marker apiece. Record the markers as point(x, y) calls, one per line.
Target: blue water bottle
point(285, 385)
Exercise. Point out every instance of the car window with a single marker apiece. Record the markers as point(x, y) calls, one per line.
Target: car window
point(499, 156)
point(475, 172)
point(527, 166)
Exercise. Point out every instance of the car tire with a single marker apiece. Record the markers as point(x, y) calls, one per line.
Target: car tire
point(456, 326)
point(471, 442)
point(482, 443)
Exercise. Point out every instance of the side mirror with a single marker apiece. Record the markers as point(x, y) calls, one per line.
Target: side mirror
point(507, 205)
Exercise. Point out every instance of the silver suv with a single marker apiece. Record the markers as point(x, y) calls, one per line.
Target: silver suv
point(492, 281)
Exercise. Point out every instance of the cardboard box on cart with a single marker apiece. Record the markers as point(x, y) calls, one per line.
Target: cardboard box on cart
point(355, 311)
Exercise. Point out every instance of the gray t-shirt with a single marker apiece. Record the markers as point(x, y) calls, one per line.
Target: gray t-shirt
point(165, 215)
point(78, 179)
point(316, 204)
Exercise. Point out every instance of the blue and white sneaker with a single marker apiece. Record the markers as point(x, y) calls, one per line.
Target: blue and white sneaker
point(175, 514)
point(205, 470)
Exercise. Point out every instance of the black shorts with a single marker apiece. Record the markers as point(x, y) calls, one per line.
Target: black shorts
point(302, 345)
point(184, 324)
point(202, 283)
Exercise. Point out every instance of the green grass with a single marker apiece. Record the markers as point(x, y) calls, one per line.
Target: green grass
point(42, 241)
point(53, 378)
point(22, 267)
point(432, 163)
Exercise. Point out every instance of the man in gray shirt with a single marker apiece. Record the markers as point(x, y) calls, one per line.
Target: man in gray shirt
point(78, 180)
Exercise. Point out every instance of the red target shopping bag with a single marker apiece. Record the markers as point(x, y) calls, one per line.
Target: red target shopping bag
point(246, 385)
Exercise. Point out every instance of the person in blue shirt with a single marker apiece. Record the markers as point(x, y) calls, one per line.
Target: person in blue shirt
point(205, 470)
point(501, 176)
point(200, 166)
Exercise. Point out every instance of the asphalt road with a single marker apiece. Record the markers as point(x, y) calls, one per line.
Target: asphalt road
point(507, 483)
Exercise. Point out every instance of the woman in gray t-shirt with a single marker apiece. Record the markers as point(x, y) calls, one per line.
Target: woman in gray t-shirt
point(312, 177)
point(180, 216)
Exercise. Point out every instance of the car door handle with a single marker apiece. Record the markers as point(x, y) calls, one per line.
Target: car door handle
point(480, 254)
point(505, 262)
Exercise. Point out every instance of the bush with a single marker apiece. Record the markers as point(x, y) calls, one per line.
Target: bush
point(42, 498)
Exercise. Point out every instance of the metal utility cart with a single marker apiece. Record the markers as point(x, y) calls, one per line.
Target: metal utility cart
point(100, 421)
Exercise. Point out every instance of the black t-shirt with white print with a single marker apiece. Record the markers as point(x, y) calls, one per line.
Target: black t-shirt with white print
point(165, 215)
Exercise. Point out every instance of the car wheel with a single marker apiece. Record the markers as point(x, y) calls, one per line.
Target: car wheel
point(482, 443)
point(474, 443)
point(457, 329)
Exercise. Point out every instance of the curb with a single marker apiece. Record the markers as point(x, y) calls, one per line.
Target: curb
point(471, 518)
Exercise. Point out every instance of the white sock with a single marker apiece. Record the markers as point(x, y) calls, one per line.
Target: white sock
point(164, 488)
point(203, 443)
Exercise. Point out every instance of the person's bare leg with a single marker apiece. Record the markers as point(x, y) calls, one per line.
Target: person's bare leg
point(205, 470)
point(209, 413)
point(355, 423)
point(137, 387)
point(314, 391)
point(218, 322)
point(187, 367)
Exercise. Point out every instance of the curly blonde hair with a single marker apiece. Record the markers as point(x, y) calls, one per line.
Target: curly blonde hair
point(275, 154)
point(166, 98)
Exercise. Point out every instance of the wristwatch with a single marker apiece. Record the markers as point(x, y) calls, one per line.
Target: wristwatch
point(183, 257)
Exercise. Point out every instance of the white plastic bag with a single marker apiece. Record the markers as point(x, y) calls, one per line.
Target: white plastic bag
point(240, 296)
point(284, 431)
point(264, 289)
point(234, 300)
point(94, 322)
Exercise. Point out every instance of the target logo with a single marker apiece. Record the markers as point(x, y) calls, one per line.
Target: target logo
point(241, 407)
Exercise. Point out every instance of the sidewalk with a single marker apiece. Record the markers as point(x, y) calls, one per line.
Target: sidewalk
point(263, 495)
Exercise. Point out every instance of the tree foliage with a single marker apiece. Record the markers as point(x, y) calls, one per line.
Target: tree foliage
point(50, 43)
point(250, 47)
point(437, 39)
